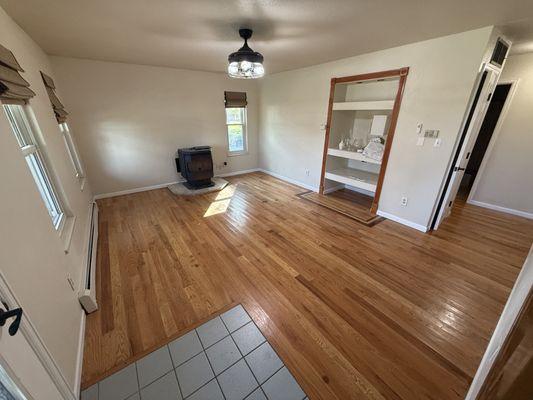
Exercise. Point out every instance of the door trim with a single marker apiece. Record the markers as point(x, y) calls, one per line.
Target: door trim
point(496, 132)
point(36, 342)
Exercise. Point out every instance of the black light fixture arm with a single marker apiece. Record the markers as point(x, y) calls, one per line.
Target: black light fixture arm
point(6, 314)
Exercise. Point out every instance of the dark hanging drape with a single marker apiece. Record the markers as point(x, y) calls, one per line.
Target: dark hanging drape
point(14, 89)
point(59, 108)
point(235, 99)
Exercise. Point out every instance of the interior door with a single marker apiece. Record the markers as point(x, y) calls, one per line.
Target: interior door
point(23, 376)
point(487, 83)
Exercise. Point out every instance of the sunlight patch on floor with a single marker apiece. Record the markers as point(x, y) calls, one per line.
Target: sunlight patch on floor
point(222, 201)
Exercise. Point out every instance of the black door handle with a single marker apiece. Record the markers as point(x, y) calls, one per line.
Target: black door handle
point(6, 314)
point(458, 169)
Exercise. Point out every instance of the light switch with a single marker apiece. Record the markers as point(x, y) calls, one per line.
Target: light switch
point(420, 141)
point(438, 142)
point(419, 128)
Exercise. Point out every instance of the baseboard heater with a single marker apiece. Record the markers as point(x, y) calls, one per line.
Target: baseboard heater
point(87, 295)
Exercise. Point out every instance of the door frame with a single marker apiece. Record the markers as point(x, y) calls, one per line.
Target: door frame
point(462, 140)
point(32, 337)
point(496, 132)
point(402, 74)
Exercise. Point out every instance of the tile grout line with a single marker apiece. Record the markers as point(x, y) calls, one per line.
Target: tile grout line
point(273, 349)
point(239, 350)
point(174, 369)
point(138, 383)
point(209, 361)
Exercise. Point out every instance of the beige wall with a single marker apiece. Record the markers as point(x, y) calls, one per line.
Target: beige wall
point(505, 180)
point(32, 256)
point(293, 105)
point(130, 119)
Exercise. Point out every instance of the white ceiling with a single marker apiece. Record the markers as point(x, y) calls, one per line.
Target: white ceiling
point(200, 34)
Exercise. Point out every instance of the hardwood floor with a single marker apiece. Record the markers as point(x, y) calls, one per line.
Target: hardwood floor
point(356, 312)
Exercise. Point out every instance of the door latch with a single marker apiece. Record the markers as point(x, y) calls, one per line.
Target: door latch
point(458, 169)
point(6, 314)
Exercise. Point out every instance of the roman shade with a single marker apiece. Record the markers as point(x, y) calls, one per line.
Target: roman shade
point(235, 99)
point(59, 108)
point(14, 89)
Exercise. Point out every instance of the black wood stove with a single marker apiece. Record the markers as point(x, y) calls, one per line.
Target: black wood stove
point(196, 166)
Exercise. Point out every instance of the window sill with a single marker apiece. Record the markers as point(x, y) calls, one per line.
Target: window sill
point(66, 233)
point(238, 153)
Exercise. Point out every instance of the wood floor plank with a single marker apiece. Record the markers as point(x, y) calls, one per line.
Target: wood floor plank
point(356, 312)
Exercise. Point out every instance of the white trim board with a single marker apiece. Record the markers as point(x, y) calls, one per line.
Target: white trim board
point(79, 357)
point(402, 221)
point(494, 207)
point(164, 185)
point(242, 172)
point(290, 180)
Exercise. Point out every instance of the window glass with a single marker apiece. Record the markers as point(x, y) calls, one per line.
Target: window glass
point(22, 130)
point(236, 130)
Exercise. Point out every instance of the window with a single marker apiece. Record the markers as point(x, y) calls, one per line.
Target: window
point(72, 151)
point(236, 128)
point(30, 149)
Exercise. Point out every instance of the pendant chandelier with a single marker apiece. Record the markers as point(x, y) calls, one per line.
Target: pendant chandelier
point(246, 63)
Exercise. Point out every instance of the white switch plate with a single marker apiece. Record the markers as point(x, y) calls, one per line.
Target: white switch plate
point(420, 141)
point(438, 142)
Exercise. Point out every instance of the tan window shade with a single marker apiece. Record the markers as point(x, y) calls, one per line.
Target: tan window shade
point(235, 99)
point(59, 108)
point(13, 87)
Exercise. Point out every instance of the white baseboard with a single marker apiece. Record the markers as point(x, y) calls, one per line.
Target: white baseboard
point(494, 207)
point(136, 190)
point(79, 357)
point(163, 185)
point(402, 221)
point(244, 171)
point(290, 180)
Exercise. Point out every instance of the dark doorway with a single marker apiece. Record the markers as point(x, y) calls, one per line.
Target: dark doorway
point(485, 134)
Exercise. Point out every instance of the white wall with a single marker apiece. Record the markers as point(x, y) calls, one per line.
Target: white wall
point(293, 105)
point(32, 256)
point(130, 119)
point(505, 180)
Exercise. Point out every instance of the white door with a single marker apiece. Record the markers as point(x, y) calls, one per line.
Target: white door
point(23, 375)
point(488, 81)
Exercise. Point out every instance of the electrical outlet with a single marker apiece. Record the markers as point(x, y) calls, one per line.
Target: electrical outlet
point(404, 201)
point(420, 141)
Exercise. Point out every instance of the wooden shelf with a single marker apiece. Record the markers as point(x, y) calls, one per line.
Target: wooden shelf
point(354, 177)
point(364, 105)
point(352, 155)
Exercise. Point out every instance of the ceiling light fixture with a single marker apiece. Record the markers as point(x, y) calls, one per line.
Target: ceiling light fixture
point(246, 63)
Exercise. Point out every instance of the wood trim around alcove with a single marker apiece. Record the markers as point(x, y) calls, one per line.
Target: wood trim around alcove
point(402, 74)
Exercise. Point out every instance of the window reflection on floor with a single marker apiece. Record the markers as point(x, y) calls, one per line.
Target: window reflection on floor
point(222, 201)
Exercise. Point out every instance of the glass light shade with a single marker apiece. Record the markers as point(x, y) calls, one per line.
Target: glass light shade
point(246, 69)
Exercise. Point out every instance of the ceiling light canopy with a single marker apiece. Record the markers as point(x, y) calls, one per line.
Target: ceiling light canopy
point(246, 63)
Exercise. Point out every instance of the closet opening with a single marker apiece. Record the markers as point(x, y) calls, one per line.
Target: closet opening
point(483, 141)
point(362, 115)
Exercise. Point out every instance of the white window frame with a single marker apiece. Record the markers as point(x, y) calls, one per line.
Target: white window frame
point(30, 148)
point(72, 151)
point(244, 132)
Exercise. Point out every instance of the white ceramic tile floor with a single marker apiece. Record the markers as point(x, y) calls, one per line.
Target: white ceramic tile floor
point(227, 358)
